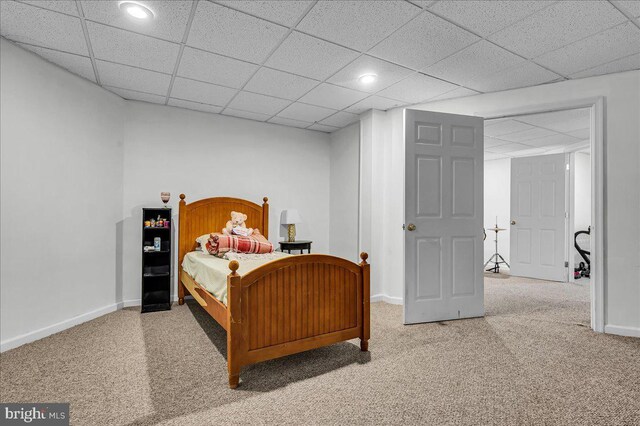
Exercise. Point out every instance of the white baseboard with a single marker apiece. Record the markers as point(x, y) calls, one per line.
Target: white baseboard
point(386, 299)
point(32, 336)
point(622, 330)
point(138, 302)
point(131, 302)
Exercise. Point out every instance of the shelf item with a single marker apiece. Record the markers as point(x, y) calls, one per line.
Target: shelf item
point(156, 269)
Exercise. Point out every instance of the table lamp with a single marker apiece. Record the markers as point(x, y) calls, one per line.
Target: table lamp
point(290, 218)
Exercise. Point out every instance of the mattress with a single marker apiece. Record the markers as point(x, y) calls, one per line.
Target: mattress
point(211, 271)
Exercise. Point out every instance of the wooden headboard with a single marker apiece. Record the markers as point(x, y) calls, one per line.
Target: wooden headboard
point(211, 215)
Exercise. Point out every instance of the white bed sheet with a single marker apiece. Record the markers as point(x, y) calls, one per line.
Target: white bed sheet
point(211, 271)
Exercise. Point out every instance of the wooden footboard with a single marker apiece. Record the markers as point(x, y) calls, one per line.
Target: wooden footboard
point(292, 305)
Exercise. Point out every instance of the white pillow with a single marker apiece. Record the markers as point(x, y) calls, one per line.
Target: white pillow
point(202, 242)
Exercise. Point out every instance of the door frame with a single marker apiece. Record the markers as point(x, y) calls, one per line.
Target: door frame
point(596, 142)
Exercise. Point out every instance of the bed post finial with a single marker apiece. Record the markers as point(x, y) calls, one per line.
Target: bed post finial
point(182, 197)
point(364, 256)
point(234, 265)
point(265, 217)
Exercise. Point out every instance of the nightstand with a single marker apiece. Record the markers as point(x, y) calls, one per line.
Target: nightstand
point(295, 245)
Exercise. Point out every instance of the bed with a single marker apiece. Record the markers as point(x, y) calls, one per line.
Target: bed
point(284, 306)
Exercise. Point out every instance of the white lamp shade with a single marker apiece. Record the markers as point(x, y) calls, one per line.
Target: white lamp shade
point(287, 217)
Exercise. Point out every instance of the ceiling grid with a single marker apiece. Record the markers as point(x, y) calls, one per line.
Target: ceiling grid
point(297, 63)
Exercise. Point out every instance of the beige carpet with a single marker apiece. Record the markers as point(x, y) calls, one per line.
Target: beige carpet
point(531, 360)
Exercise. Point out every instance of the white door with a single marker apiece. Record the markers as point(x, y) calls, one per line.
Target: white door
point(443, 217)
point(538, 218)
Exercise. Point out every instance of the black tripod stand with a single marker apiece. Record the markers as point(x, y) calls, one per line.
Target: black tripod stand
point(496, 258)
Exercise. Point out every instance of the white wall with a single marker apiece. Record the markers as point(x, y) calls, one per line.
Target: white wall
point(581, 194)
point(622, 168)
point(61, 197)
point(582, 190)
point(344, 187)
point(497, 196)
point(382, 201)
point(182, 151)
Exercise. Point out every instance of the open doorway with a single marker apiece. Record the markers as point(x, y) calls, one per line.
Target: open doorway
point(443, 180)
point(538, 202)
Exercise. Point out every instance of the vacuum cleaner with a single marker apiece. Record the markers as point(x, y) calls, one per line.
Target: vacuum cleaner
point(584, 268)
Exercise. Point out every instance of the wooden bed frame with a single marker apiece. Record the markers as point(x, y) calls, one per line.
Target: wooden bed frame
point(283, 307)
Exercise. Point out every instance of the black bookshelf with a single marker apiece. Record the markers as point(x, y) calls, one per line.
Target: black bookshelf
point(156, 265)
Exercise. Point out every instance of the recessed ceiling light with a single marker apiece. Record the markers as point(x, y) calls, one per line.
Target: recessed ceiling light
point(367, 78)
point(137, 10)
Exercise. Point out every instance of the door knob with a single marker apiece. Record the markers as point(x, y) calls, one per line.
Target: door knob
point(411, 227)
point(513, 222)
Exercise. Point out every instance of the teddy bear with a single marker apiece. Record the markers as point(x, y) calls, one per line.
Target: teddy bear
point(237, 226)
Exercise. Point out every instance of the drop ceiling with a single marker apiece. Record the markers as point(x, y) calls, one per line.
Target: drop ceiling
point(537, 134)
point(297, 63)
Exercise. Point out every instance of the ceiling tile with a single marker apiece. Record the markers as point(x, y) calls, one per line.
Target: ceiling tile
point(617, 42)
point(285, 12)
point(497, 128)
point(132, 95)
point(387, 73)
point(374, 102)
point(79, 65)
point(525, 135)
point(246, 114)
point(460, 92)
point(340, 119)
point(580, 133)
point(510, 147)
point(423, 3)
point(330, 96)
point(350, 24)
point(191, 90)
point(423, 42)
point(556, 139)
point(262, 104)
point(480, 59)
point(196, 106)
point(310, 57)
point(322, 128)
point(212, 68)
point(289, 122)
point(629, 63)
point(222, 30)
point(279, 83)
point(560, 121)
point(304, 112)
point(490, 142)
point(486, 17)
point(63, 6)
point(417, 88)
point(631, 6)
point(526, 74)
point(557, 26)
point(132, 78)
point(27, 24)
point(169, 21)
point(125, 47)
